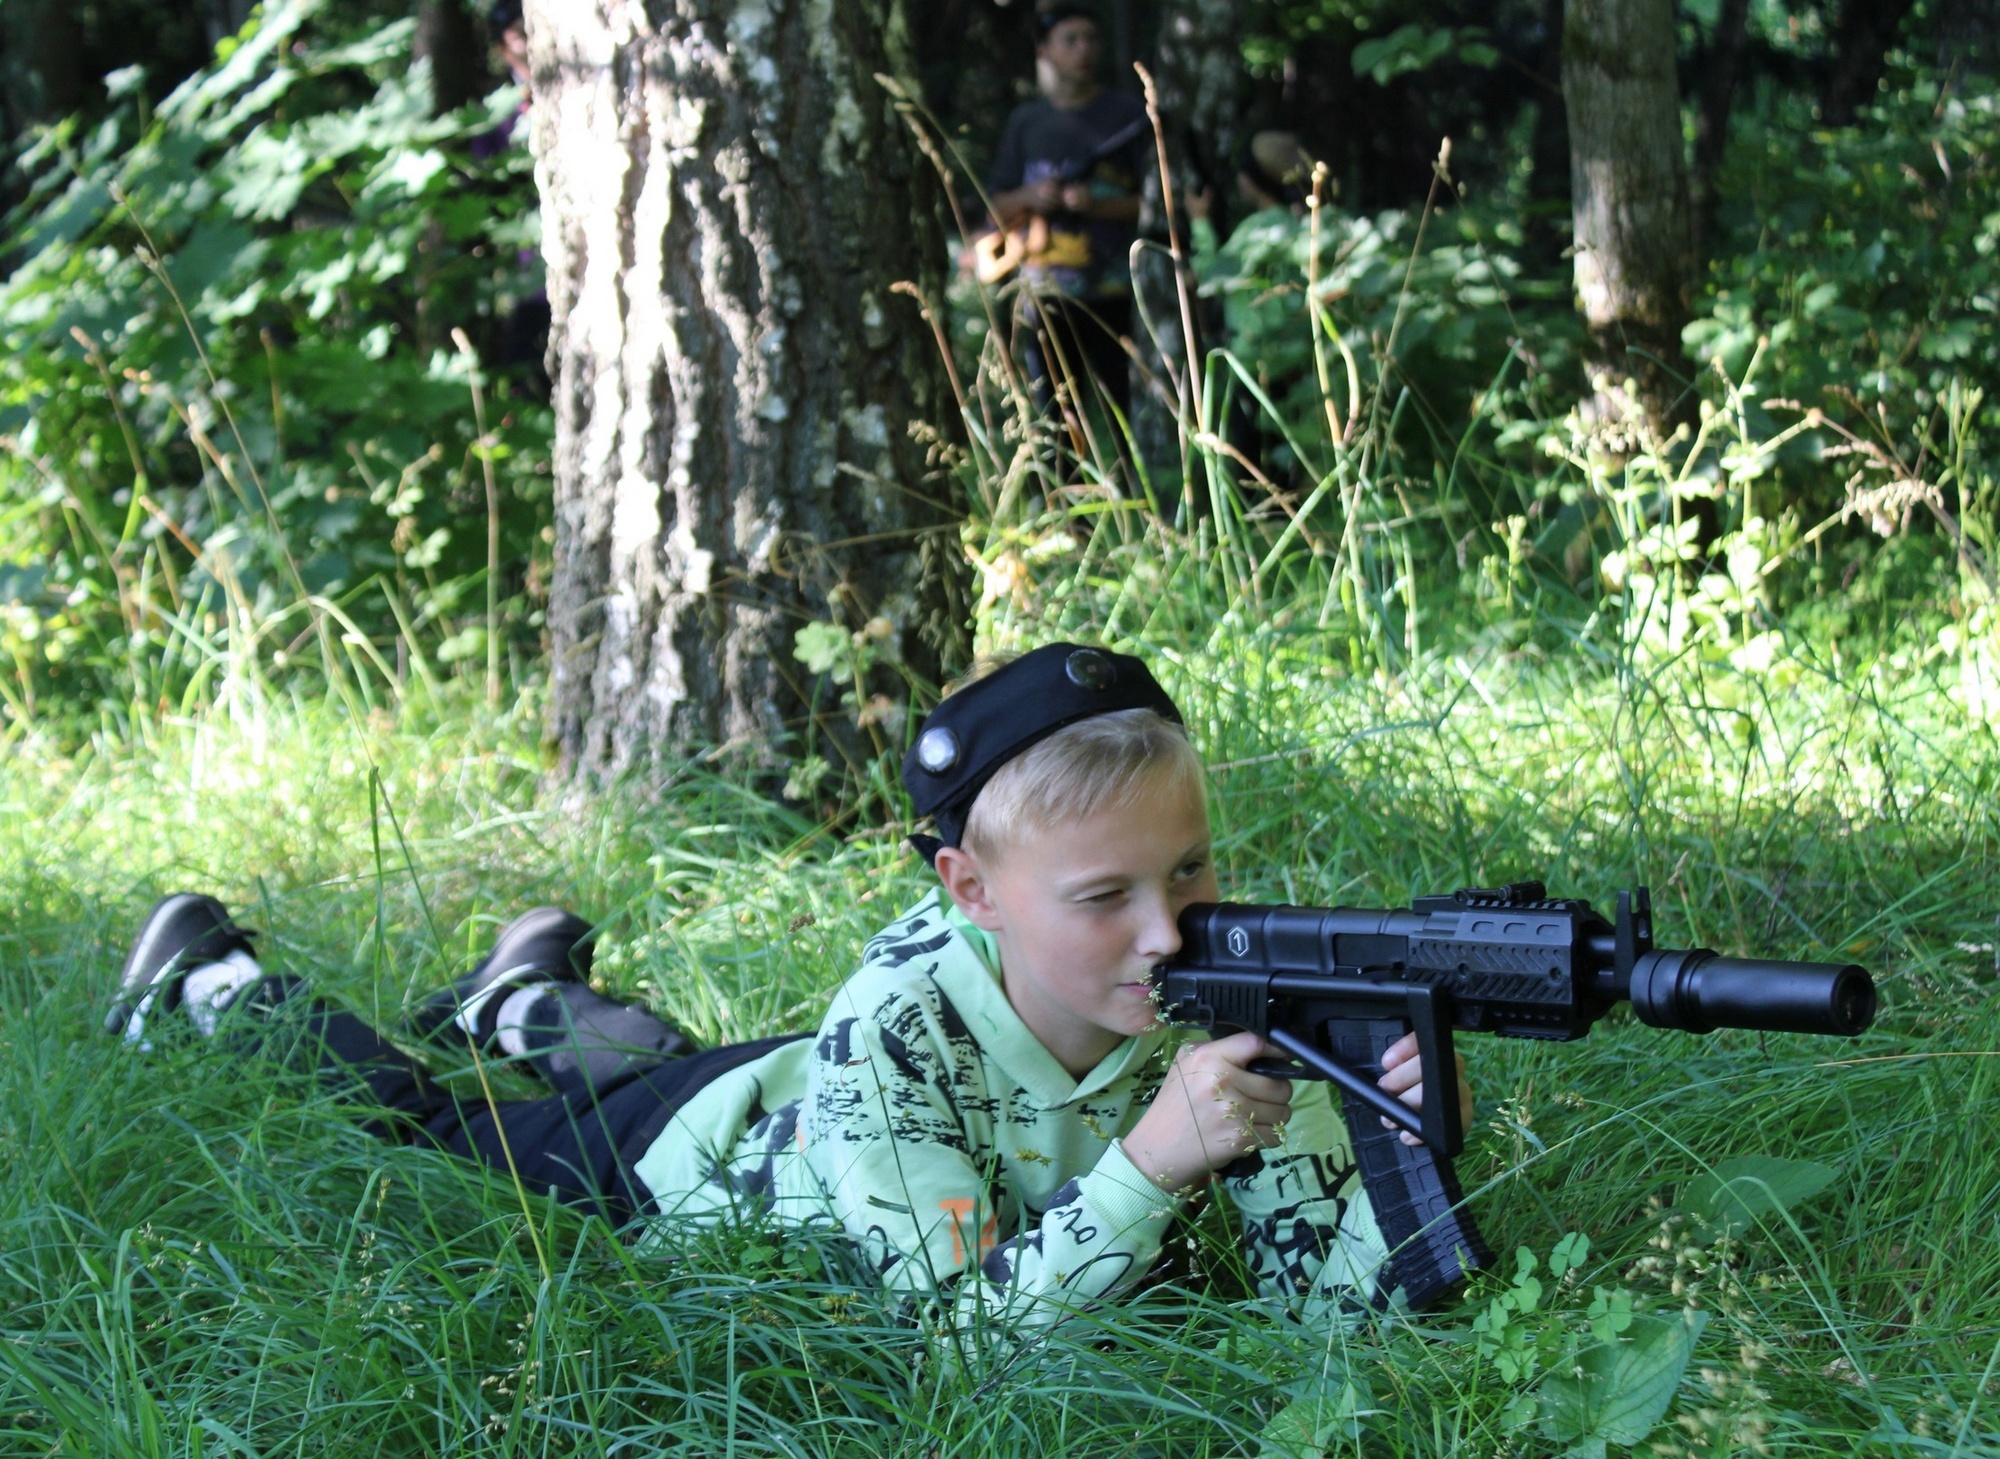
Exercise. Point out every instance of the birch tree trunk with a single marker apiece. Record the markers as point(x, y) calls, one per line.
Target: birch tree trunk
point(1628, 192)
point(728, 201)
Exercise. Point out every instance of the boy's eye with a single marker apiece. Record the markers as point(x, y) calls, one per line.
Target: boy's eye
point(1192, 867)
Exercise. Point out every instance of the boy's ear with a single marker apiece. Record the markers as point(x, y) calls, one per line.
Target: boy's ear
point(965, 883)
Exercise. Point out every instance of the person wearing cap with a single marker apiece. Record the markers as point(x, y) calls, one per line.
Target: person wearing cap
point(1078, 304)
point(1274, 181)
point(990, 1107)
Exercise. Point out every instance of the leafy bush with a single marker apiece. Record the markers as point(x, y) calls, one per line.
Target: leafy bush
point(1869, 257)
point(1424, 304)
point(236, 396)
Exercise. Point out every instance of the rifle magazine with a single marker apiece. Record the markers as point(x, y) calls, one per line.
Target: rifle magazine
point(1433, 1243)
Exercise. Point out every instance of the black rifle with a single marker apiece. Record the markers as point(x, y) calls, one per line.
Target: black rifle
point(1078, 168)
point(1334, 987)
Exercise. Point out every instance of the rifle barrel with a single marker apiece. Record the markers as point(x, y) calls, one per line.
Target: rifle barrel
point(1696, 990)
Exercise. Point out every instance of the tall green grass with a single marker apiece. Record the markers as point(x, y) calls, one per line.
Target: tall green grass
point(201, 1255)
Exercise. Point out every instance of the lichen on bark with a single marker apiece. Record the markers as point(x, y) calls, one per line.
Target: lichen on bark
point(729, 198)
point(1628, 180)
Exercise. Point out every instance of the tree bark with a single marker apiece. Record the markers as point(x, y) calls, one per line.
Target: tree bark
point(1202, 84)
point(1628, 192)
point(972, 57)
point(1722, 60)
point(729, 200)
point(1860, 52)
point(449, 39)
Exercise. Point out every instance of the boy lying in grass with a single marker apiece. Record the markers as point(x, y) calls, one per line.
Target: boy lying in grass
point(990, 1104)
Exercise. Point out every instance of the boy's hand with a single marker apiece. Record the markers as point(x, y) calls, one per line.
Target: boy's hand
point(1210, 1110)
point(1404, 1078)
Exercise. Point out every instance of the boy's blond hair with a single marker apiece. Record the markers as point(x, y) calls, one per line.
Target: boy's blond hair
point(1103, 761)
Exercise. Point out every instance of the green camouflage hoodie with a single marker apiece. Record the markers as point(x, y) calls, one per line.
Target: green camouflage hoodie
point(929, 1123)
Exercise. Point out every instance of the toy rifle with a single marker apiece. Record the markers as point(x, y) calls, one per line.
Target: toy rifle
point(1334, 987)
point(997, 254)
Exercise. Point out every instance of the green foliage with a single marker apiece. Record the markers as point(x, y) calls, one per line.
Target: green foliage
point(1426, 305)
point(190, 1242)
point(1620, 1389)
point(1390, 38)
point(1869, 257)
point(234, 408)
point(1741, 1190)
point(1412, 47)
point(1589, 1372)
point(1396, 692)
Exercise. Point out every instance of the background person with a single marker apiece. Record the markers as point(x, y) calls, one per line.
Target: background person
point(1078, 301)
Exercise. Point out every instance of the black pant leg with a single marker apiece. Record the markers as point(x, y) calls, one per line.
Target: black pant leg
point(279, 1019)
point(1076, 346)
point(585, 1044)
point(583, 1146)
point(1101, 325)
point(581, 1143)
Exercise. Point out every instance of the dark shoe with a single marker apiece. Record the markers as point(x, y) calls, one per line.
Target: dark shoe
point(183, 931)
point(547, 945)
point(588, 1042)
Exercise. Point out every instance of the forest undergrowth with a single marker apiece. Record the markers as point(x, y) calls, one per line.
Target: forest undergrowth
point(201, 1256)
point(1527, 650)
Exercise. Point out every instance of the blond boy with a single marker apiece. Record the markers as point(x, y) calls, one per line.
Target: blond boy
point(990, 1106)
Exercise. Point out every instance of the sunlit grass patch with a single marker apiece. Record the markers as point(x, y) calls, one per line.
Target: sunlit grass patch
point(196, 1248)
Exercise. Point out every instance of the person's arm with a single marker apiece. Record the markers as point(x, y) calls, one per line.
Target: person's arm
point(1012, 198)
point(1015, 206)
point(1081, 199)
point(883, 1135)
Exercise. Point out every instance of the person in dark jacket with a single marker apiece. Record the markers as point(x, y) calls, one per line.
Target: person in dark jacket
point(1054, 182)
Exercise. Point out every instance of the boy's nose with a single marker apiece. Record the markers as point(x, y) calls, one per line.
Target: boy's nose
point(1160, 936)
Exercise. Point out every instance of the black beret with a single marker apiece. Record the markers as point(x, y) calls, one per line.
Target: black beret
point(990, 721)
